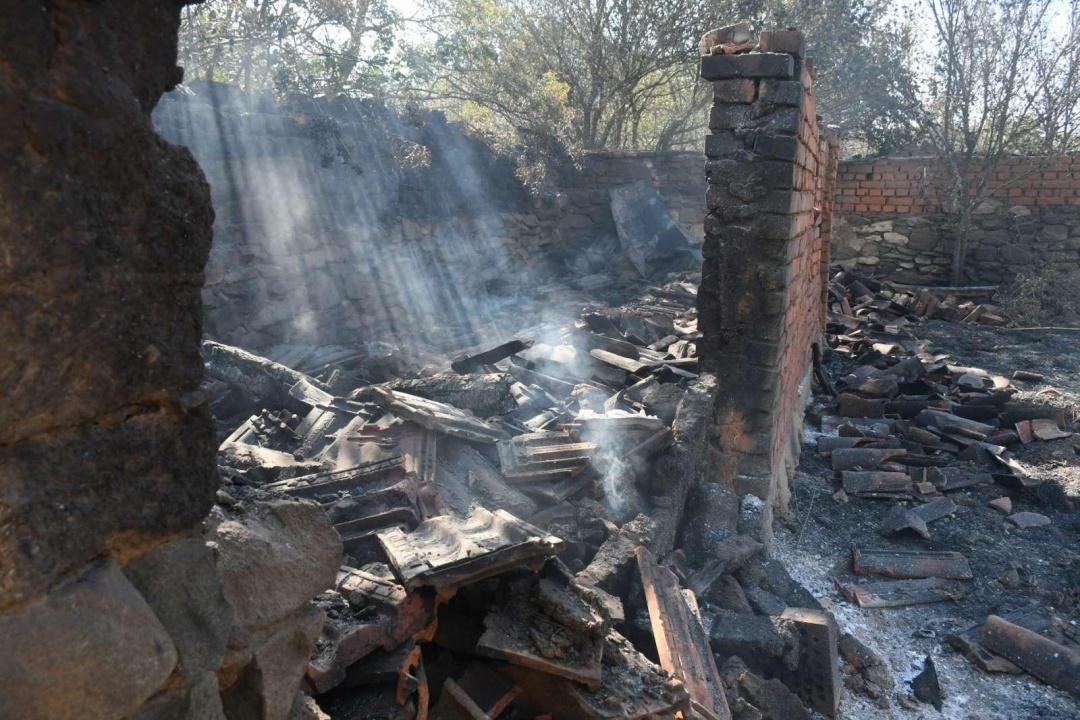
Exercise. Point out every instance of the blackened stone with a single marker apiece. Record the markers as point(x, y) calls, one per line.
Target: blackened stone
point(783, 41)
point(727, 594)
point(779, 581)
point(780, 92)
point(778, 147)
point(770, 698)
point(712, 515)
point(104, 229)
point(749, 636)
point(751, 65)
point(734, 91)
point(180, 583)
point(727, 117)
point(723, 143)
point(926, 686)
point(764, 602)
point(91, 648)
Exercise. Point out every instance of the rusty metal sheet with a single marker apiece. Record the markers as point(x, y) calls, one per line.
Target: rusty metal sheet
point(1051, 662)
point(900, 593)
point(911, 564)
point(681, 641)
point(448, 551)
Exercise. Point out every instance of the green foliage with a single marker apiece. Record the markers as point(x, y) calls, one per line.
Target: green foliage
point(316, 47)
point(631, 67)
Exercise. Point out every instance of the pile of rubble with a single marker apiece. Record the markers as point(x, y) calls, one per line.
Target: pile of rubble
point(897, 302)
point(510, 519)
point(906, 426)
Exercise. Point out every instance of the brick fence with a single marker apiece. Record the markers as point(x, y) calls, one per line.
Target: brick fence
point(891, 220)
point(910, 185)
point(760, 300)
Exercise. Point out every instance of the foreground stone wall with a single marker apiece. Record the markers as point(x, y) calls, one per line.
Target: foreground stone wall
point(763, 279)
point(113, 602)
point(891, 220)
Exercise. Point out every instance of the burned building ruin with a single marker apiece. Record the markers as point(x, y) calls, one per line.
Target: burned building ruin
point(296, 430)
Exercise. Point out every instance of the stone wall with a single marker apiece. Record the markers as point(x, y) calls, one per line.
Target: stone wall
point(326, 233)
point(309, 194)
point(763, 281)
point(891, 220)
point(113, 602)
point(584, 189)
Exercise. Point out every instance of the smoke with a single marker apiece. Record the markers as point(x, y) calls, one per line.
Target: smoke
point(618, 477)
point(311, 251)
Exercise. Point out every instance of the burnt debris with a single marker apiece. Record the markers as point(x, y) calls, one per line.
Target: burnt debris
point(509, 515)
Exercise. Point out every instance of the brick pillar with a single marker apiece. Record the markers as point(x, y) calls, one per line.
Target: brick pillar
point(760, 301)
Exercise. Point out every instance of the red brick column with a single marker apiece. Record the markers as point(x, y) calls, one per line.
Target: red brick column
point(760, 300)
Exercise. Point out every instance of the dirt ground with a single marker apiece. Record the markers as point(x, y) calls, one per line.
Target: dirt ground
point(815, 541)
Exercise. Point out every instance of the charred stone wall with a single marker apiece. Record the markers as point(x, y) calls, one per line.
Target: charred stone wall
point(584, 189)
point(344, 220)
point(892, 220)
point(760, 302)
point(307, 193)
point(112, 603)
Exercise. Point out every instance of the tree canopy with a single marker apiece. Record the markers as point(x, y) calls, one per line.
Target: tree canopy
point(622, 74)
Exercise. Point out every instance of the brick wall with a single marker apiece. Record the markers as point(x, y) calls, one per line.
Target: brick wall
point(891, 220)
point(760, 300)
point(910, 185)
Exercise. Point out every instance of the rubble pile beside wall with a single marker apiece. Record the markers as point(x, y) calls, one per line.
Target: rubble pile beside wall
point(115, 600)
point(765, 265)
point(891, 220)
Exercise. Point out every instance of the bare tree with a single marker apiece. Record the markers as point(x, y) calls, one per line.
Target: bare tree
point(1003, 81)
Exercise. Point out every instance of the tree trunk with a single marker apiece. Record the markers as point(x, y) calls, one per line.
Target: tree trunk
point(963, 226)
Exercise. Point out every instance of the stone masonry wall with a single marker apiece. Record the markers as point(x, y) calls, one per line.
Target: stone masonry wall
point(584, 189)
point(297, 227)
point(891, 221)
point(116, 600)
point(311, 246)
point(763, 279)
